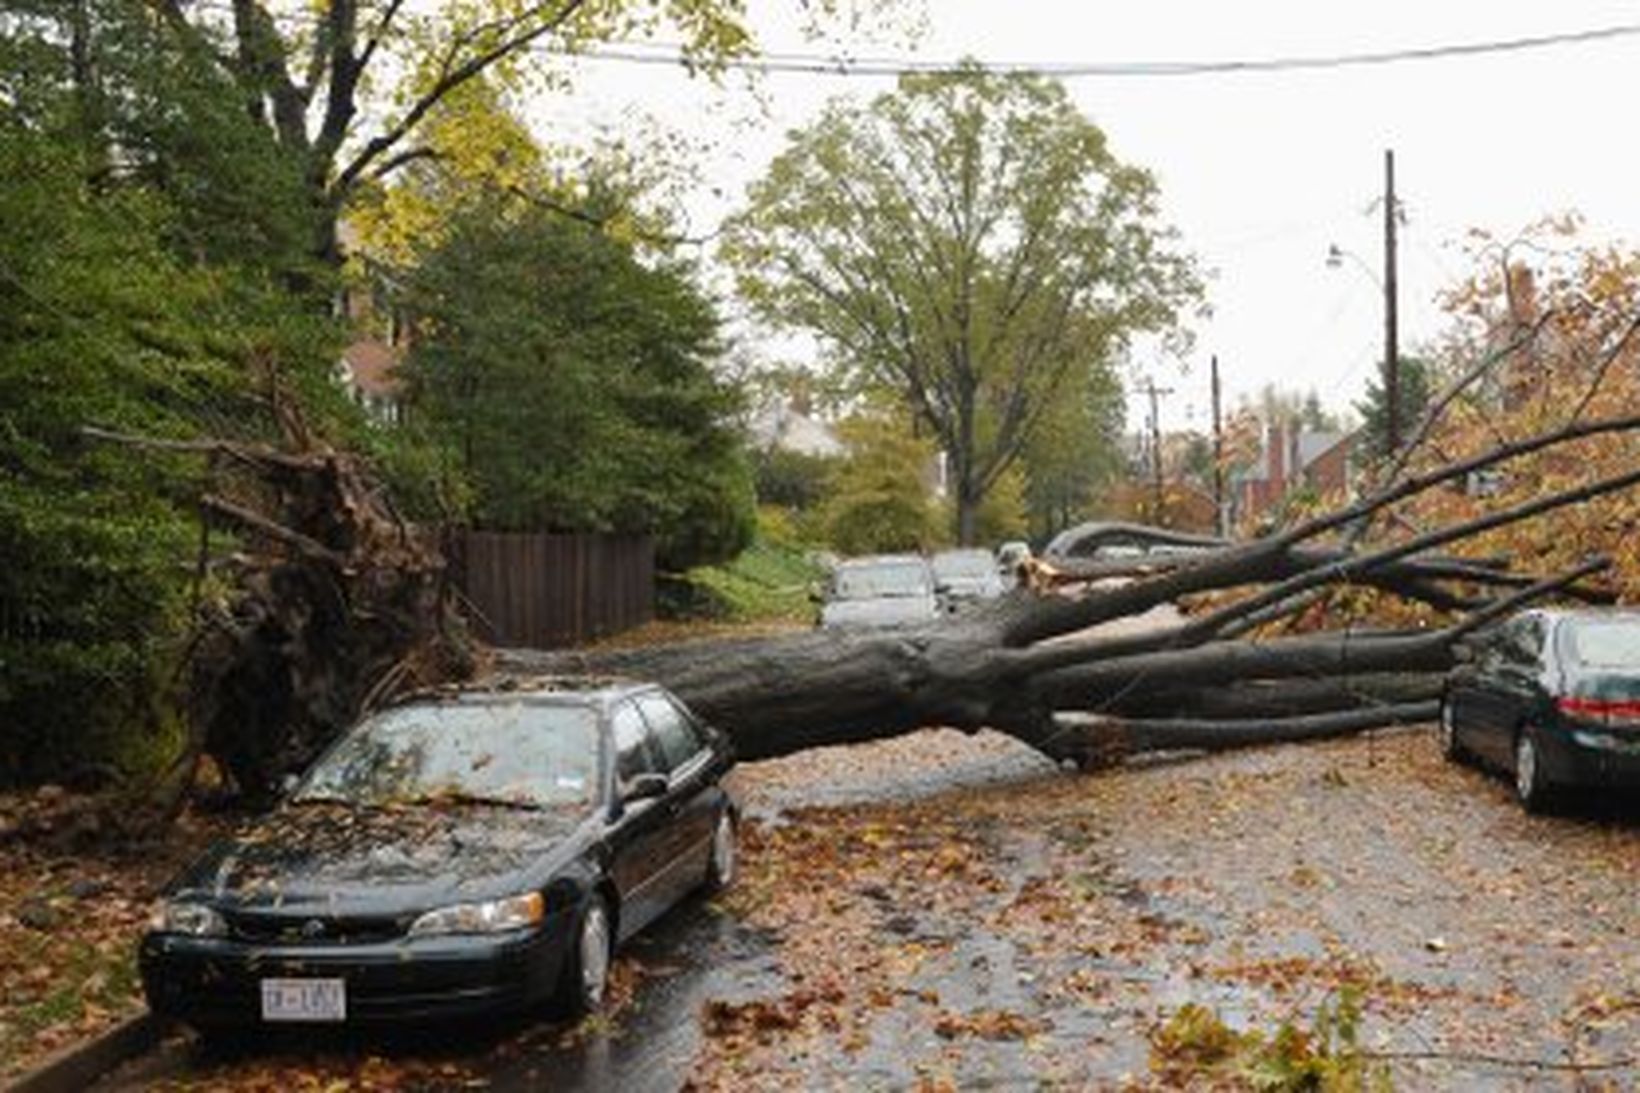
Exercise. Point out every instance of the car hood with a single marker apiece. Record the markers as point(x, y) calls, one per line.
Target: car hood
point(885, 611)
point(342, 859)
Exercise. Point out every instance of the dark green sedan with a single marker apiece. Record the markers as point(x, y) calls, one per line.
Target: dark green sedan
point(1552, 698)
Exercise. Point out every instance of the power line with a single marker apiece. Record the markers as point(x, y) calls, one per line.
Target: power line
point(823, 65)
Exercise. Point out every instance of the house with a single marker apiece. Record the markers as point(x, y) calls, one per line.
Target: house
point(369, 371)
point(787, 426)
point(1290, 459)
point(366, 302)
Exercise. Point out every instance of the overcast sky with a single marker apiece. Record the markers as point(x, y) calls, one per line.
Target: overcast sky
point(1259, 172)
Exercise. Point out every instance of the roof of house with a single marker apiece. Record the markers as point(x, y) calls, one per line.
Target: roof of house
point(371, 367)
point(1312, 446)
point(783, 427)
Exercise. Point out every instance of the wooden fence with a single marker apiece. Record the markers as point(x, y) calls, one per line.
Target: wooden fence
point(548, 591)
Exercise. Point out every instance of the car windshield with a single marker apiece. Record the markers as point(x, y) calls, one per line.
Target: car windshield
point(526, 755)
point(869, 582)
point(963, 563)
point(1606, 643)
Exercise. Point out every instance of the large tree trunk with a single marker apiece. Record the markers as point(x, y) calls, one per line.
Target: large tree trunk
point(1107, 669)
point(337, 605)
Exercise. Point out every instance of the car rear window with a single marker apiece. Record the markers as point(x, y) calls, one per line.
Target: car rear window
point(964, 563)
point(1606, 643)
point(866, 582)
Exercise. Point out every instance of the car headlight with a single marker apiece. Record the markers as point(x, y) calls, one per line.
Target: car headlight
point(189, 919)
point(487, 917)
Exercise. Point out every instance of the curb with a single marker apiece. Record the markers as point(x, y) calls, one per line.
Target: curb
point(78, 1065)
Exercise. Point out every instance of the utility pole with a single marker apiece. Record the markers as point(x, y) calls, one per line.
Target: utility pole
point(1392, 364)
point(1218, 457)
point(1150, 389)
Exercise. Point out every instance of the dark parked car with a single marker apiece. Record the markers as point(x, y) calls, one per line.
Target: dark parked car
point(459, 854)
point(1551, 697)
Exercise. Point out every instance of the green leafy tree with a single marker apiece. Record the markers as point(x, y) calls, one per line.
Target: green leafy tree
point(347, 89)
point(1003, 514)
point(571, 383)
point(796, 481)
point(99, 325)
point(879, 499)
point(1075, 452)
point(1415, 382)
point(969, 243)
point(152, 238)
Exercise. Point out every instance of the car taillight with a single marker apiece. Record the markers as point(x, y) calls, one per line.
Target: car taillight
point(1614, 714)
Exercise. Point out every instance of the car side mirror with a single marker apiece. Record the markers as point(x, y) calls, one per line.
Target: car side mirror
point(815, 595)
point(645, 787)
point(1463, 652)
point(288, 784)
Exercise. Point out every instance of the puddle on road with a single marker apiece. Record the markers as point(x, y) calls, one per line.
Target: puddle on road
point(694, 955)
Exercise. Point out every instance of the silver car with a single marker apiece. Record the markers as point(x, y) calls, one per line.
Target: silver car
point(882, 590)
point(964, 577)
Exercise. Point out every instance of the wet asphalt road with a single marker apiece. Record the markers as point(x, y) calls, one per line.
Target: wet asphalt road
point(1500, 951)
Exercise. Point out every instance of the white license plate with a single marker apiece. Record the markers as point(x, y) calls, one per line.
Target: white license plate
point(304, 1000)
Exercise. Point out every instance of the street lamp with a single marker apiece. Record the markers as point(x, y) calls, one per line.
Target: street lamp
point(1335, 260)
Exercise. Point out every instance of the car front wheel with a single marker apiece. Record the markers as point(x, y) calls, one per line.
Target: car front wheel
point(586, 972)
point(1531, 789)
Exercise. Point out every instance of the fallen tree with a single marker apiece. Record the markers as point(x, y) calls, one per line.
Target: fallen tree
point(1109, 669)
point(316, 602)
point(334, 605)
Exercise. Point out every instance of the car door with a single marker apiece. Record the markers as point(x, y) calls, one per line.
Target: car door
point(693, 800)
point(639, 832)
point(1506, 685)
point(1520, 679)
point(1466, 691)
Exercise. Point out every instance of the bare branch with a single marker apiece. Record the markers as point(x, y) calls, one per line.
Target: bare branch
point(448, 82)
point(261, 525)
point(1606, 361)
point(1535, 591)
point(1262, 559)
point(1437, 409)
point(1346, 570)
point(402, 159)
point(378, 34)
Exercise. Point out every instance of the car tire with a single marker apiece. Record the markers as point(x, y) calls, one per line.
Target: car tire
point(586, 968)
point(1532, 790)
point(722, 861)
point(1447, 733)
